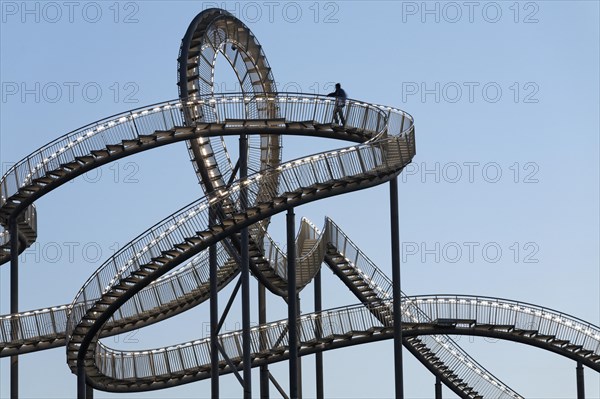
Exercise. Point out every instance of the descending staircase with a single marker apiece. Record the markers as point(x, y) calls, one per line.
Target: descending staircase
point(437, 353)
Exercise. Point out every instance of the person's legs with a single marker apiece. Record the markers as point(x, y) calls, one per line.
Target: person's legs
point(336, 110)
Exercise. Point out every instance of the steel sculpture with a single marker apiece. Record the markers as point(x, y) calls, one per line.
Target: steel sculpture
point(185, 259)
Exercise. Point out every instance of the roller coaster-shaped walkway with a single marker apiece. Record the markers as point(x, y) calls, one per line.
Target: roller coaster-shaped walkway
point(186, 258)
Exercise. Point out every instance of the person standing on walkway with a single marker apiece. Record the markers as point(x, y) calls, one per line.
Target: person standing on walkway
point(340, 103)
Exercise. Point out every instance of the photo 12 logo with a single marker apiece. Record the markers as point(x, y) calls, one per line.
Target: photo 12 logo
point(471, 172)
point(71, 92)
point(280, 11)
point(470, 92)
point(53, 12)
point(469, 252)
point(453, 12)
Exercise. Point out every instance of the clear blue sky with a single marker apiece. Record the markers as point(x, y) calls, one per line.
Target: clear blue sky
point(505, 97)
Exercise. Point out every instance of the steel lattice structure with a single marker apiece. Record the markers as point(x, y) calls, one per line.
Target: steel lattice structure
point(185, 259)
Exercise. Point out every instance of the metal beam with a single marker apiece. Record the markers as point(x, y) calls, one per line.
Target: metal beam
point(292, 303)
point(397, 293)
point(580, 381)
point(14, 302)
point(229, 304)
point(231, 365)
point(245, 271)
point(318, 355)
point(278, 387)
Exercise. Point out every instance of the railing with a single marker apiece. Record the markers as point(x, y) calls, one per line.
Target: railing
point(29, 216)
point(312, 328)
point(95, 136)
point(164, 116)
point(328, 325)
point(503, 312)
point(307, 264)
point(442, 346)
point(170, 290)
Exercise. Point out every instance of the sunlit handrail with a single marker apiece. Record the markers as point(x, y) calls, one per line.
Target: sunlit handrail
point(521, 315)
point(217, 108)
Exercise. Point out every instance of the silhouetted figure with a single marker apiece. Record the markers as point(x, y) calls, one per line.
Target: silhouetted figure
point(340, 103)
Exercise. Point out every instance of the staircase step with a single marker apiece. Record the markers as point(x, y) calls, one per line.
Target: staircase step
point(115, 148)
point(85, 159)
point(100, 153)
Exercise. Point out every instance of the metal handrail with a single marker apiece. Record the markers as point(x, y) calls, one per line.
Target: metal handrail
point(325, 325)
point(161, 295)
point(331, 323)
point(521, 315)
point(216, 108)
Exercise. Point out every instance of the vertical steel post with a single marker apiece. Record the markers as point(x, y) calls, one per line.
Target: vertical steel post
point(214, 313)
point(318, 355)
point(81, 386)
point(262, 319)
point(292, 303)
point(245, 270)
point(438, 388)
point(14, 302)
point(89, 392)
point(580, 381)
point(299, 361)
point(396, 279)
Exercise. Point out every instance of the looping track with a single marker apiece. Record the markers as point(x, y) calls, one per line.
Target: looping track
point(164, 271)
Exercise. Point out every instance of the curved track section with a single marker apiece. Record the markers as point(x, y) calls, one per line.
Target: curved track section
point(510, 320)
point(212, 33)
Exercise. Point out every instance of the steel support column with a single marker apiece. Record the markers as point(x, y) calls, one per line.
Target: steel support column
point(438, 388)
point(318, 355)
point(580, 381)
point(81, 385)
point(299, 361)
point(262, 319)
point(214, 314)
point(396, 279)
point(14, 302)
point(292, 302)
point(89, 392)
point(245, 271)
